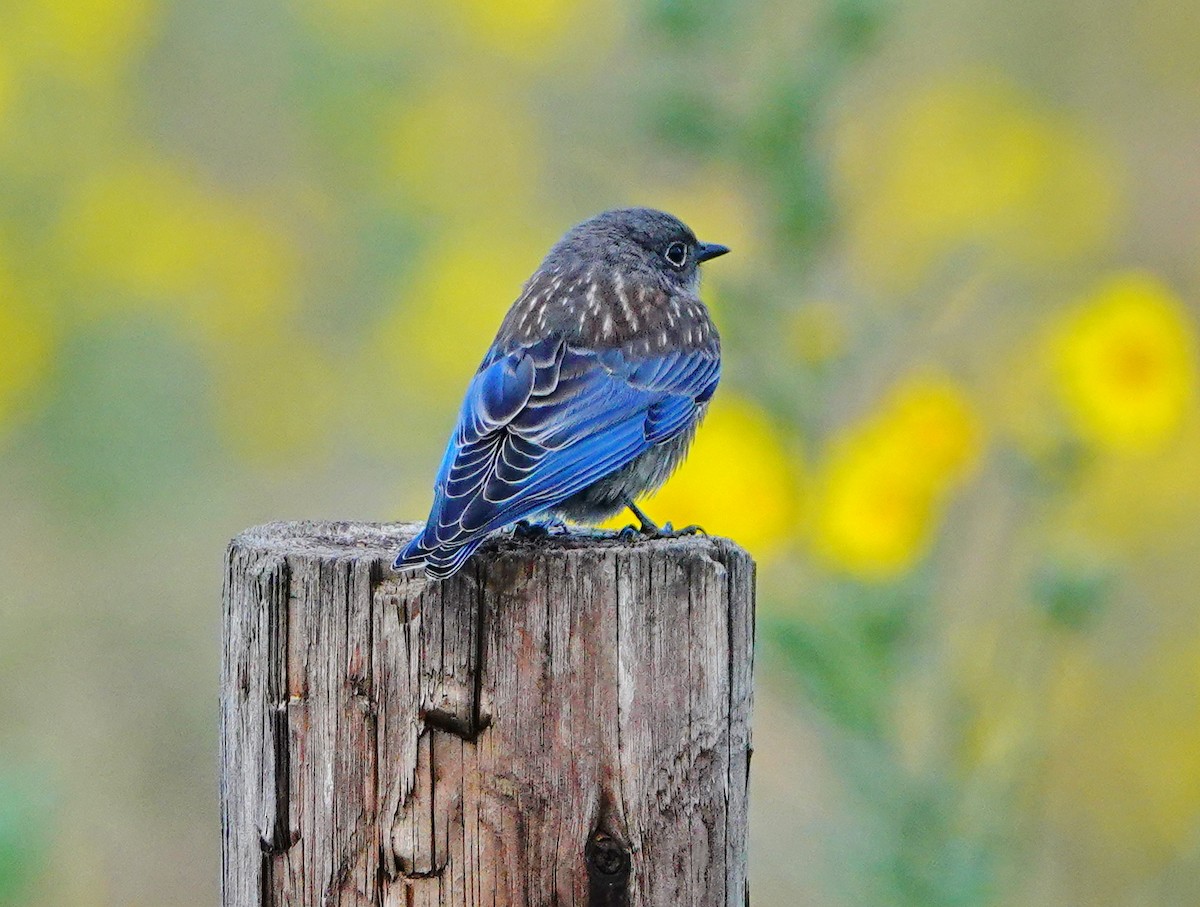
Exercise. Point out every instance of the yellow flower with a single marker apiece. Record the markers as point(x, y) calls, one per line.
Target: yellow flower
point(26, 352)
point(466, 152)
point(885, 480)
point(89, 41)
point(6, 86)
point(162, 240)
point(522, 29)
point(930, 420)
point(1125, 363)
point(970, 163)
point(874, 520)
point(737, 481)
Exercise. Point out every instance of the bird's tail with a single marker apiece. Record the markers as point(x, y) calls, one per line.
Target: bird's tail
point(439, 561)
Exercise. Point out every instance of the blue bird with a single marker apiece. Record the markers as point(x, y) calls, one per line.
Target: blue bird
point(590, 394)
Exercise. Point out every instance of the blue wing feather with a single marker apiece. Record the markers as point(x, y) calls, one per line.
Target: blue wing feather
point(542, 423)
point(668, 417)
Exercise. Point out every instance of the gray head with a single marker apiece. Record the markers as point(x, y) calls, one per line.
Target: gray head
point(637, 243)
point(626, 278)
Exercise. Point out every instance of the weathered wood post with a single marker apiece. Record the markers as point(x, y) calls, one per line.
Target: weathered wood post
point(565, 722)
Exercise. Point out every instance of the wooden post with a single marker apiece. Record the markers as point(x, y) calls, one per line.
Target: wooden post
point(565, 722)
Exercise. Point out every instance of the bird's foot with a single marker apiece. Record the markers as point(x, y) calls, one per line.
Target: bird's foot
point(665, 531)
point(669, 532)
point(649, 529)
point(524, 529)
point(591, 532)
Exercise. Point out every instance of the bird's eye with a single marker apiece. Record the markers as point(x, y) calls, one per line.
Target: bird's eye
point(676, 254)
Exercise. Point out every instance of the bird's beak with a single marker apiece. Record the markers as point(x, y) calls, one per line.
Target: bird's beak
point(707, 250)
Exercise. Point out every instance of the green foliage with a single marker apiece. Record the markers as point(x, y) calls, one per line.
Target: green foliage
point(24, 820)
point(129, 419)
point(682, 20)
point(687, 118)
point(848, 661)
point(1072, 597)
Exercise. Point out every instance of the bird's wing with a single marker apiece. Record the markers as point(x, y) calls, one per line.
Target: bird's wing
point(544, 422)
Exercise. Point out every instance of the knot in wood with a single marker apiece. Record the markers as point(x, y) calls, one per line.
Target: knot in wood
point(607, 857)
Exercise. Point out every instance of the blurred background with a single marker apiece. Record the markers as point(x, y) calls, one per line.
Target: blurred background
point(250, 253)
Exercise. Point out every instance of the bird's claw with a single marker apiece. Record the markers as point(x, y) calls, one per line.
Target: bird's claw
point(665, 531)
point(693, 529)
point(523, 529)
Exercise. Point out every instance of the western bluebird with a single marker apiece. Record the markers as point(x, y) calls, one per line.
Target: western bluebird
point(590, 394)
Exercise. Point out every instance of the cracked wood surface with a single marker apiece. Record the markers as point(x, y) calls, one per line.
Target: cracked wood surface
point(567, 721)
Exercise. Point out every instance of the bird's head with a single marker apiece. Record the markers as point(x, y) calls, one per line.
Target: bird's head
point(640, 241)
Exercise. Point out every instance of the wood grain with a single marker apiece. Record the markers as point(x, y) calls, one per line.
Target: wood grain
point(565, 722)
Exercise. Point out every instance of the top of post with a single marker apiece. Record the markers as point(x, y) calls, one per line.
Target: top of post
point(343, 538)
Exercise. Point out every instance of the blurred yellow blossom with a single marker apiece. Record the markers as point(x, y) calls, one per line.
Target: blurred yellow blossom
point(738, 480)
point(971, 163)
point(873, 518)
point(524, 29)
point(466, 152)
point(930, 419)
point(88, 41)
point(7, 87)
point(26, 351)
point(161, 239)
point(885, 480)
point(1125, 362)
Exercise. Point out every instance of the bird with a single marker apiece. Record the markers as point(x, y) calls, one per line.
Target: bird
point(589, 396)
